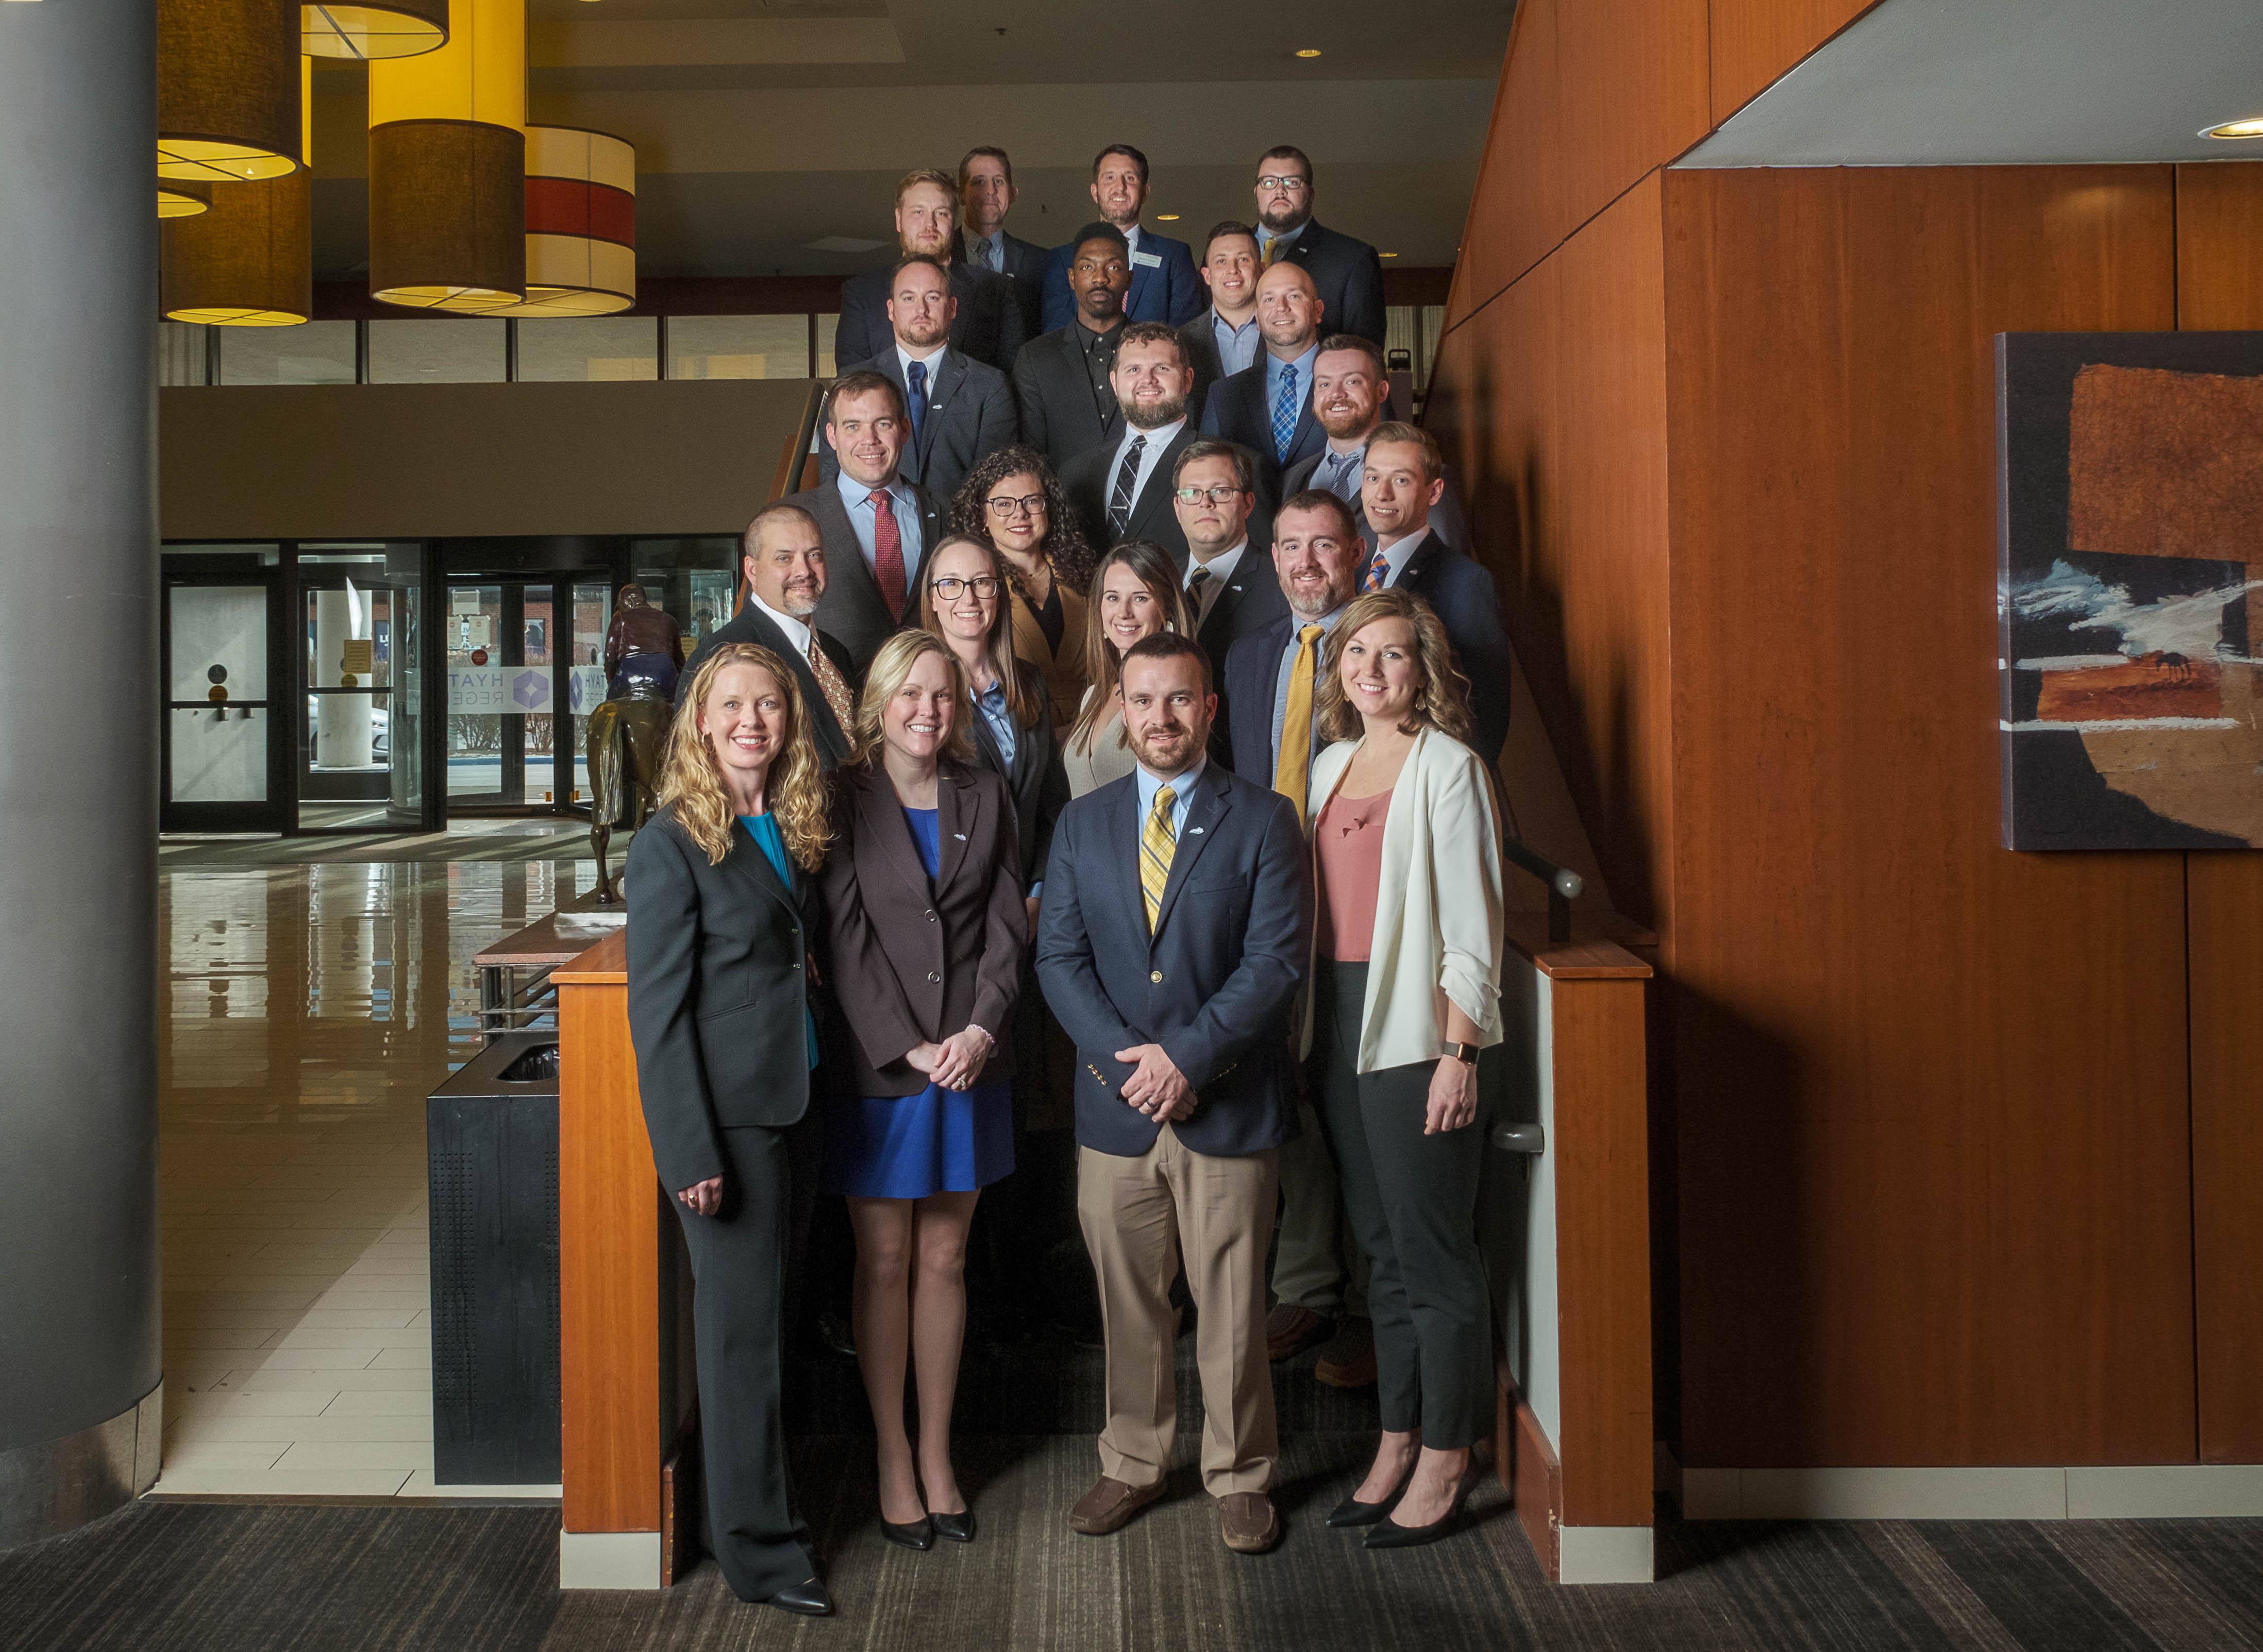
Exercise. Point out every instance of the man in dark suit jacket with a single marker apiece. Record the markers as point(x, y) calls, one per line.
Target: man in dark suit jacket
point(872, 553)
point(987, 194)
point(1173, 945)
point(782, 573)
point(1347, 274)
point(1404, 481)
point(1223, 338)
point(1061, 381)
point(1244, 406)
point(1351, 394)
point(1122, 490)
point(1230, 585)
point(989, 324)
point(1164, 287)
point(963, 410)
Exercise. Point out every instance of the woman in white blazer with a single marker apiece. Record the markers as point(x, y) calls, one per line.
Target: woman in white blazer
point(1406, 859)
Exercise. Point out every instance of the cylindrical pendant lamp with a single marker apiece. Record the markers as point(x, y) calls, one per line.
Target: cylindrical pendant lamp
point(178, 197)
point(227, 88)
point(580, 223)
point(447, 166)
point(249, 261)
point(373, 29)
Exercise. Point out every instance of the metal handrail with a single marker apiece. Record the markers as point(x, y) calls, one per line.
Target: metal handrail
point(1564, 886)
point(787, 478)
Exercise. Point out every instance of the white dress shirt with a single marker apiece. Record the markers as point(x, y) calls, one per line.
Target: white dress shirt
point(799, 636)
point(1221, 568)
point(1397, 555)
point(1150, 457)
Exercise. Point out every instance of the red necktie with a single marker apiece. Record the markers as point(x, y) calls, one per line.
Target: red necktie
point(888, 553)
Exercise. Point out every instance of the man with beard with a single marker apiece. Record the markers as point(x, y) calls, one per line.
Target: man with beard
point(1223, 338)
point(1349, 392)
point(1268, 406)
point(1124, 492)
point(989, 324)
point(1173, 942)
point(961, 410)
point(1163, 285)
point(1061, 381)
point(1346, 273)
point(782, 563)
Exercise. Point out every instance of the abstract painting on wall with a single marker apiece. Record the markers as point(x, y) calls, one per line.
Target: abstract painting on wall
point(2129, 589)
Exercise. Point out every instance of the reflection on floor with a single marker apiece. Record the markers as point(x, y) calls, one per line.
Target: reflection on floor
point(307, 1011)
point(535, 838)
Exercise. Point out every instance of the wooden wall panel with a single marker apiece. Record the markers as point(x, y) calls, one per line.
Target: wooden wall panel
point(1930, 1095)
point(2220, 287)
point(1755, 42)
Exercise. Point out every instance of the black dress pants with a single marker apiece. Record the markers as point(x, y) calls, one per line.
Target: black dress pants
point(1412, 1203)
point(738, 1305)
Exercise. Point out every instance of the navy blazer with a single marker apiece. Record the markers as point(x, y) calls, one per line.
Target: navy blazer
point(1214, 984)
point(1461, 593)
point(1166, 290)
point(718, 990)
point(987, 326)
point(1348, 275)
point(1448, 520)
point(970, 415)
point(1247, 686)
point(1236, 409)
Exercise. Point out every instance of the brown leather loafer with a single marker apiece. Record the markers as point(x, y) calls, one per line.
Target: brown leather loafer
point(1290, 1330)
point(1248, 1523)
point(1348, 1361)
point(1110, 1506)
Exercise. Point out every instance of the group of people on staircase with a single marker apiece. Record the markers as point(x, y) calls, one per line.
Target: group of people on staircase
point(1110, 735)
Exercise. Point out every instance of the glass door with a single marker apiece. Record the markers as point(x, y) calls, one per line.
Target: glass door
point(523, 673)
point(359, 750)
point(486, 738)
point(221, 764)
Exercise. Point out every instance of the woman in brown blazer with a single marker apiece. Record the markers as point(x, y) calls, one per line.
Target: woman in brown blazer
point(923, 889)
point(1012, 502)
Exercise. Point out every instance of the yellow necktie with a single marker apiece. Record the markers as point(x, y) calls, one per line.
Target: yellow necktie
point(1294, 768)
point(1274, 249)
point(1155, 846)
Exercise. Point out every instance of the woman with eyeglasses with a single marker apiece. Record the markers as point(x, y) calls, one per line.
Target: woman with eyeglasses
point(1012, 502)
point(1135, 593)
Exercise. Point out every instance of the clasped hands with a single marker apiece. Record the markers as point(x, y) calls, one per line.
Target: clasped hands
point(957, 1061)
point(1156, 1087)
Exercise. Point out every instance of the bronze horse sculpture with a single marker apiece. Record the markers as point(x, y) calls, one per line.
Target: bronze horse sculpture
point(623, 742)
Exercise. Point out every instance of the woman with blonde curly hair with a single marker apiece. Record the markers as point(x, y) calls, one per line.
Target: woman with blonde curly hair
point(924, 897)
point(1405, 986)
point(723, 914)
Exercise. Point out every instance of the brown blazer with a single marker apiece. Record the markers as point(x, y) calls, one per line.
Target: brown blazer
point(1063, 673)
point(914, 964)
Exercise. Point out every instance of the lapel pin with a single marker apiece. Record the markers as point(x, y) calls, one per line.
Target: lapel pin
point(1194, 832)
point(961, 836)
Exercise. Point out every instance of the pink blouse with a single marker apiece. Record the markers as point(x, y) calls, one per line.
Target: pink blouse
point(1350, 838)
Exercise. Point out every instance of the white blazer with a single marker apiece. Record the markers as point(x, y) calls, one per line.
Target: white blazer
point(1439, 904)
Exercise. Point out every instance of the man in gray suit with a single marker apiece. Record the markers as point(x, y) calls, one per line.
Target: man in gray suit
point(1350, 395)
point(877, 528)
point(961, 410)
point(1172, 947)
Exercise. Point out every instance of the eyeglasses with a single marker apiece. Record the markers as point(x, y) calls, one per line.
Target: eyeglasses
point(951, 587)
point(1028, 504)
point(1273, 181)
point(1215, 496)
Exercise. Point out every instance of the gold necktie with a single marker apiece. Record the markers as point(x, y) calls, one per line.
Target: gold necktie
point(1293, 770)
point(1155, 846)
point(1274, 249)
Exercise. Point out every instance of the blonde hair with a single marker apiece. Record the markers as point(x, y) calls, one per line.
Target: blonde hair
point(1103, 665)
point(691, 781)
point(1020, 680)
point(1441, 702)
point(890, 666)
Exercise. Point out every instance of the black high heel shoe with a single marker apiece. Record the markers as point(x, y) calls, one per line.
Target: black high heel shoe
point(1389, 1533)
point(919, 1534)
point(1351, 1512)
point(958, 1527)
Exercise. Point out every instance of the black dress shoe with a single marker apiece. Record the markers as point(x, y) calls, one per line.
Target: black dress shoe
point(958, 1527)
point(919, 1533)
point(1390, 1535)
point(1352, 1511)
point(808, 1599)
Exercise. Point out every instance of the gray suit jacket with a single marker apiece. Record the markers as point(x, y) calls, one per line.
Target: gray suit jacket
point(970, 415)
point(1448, 520)
point(852, 610)
point(1060, 416)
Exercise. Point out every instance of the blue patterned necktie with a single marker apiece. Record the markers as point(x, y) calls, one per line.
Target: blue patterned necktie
point(917, 374)
point(1346, 468)
point(1285, 415)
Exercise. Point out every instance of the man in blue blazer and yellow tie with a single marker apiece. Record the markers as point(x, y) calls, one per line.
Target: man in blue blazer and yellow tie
point(1173, 944)
point(1164, 285)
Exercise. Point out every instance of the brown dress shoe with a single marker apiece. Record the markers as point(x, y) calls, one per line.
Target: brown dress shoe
point(1110, 1506)
point(1290, 1330)
point(1245, 1521)
point(1348, 1361)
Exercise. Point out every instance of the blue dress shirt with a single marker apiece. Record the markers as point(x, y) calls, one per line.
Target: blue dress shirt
point(1297, 622)
point(1237, 346)
point(1274, 365)
point(1183, 792)
point(991, 702)
point(857, 499)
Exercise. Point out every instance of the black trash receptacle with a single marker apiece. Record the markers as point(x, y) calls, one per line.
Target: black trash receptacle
point(491, 1147)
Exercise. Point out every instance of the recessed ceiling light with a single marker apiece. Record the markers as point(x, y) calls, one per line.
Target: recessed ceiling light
point(1167, 218)
point(2250, 127)
point(1390, 255)
point(1308, 51)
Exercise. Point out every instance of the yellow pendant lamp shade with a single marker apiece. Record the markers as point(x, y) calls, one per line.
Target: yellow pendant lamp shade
point(227, 90)
point(249, 260)
point(387, 28)
point(580, 223)
point(447, 166)
point(178, 197)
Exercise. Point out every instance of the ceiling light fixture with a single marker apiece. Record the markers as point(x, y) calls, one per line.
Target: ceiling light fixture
point(227, 90)
point(1167, 218)
point(1308, 51)
point(1388, 255)
point(2250, 127)
point(580, 223)
point(363, 30)
point(248, 260)
point(178, 197)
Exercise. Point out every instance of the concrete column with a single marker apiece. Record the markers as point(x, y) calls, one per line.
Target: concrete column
point(343, 723)
point(79, 1350)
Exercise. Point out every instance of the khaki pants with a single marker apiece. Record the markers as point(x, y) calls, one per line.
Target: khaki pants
point(1139, 1215)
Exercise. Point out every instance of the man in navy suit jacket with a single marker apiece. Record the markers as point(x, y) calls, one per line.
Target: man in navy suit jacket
point(987, 194)
point(1164, 285)
point(1346, 273)
point(987, 323)
point(1241, 406)
point(1180, 1010)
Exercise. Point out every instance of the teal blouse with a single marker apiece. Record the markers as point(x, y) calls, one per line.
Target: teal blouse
point(765, 830)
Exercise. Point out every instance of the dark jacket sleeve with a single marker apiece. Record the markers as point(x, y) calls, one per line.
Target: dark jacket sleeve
point(864, 979)
point(1012, 334)
point(997, 425)
point(1364, 308)
point(852, 334)
point(1059, 304)
point(663, 951)
point(1052, 792)
point(1065, 969)
point(1030, 401)
point(1254, 1004)
point(1482, 642)
point(1185, 295)
point(1005, 925)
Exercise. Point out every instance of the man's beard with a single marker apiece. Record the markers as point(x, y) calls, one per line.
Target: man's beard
point(1277, 219)
point(927, 336)
point(1180, 743)
point(799, 602)
point(1169, 411)
point(1340, 425)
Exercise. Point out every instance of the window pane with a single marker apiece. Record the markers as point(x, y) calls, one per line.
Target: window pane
point(435, 352)
point(313, 353)
point(180, 353)
point(824, 325)
point(555, 348)
point(738, 347)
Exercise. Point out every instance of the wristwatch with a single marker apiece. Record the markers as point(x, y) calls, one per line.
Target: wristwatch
point(1461, 1052)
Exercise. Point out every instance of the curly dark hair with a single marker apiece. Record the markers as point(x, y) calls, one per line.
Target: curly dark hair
point(1063, 545)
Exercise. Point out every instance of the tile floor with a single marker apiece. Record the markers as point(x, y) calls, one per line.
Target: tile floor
point(306, 1013)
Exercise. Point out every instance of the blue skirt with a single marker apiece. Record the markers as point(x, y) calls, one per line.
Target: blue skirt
point(910, 1146)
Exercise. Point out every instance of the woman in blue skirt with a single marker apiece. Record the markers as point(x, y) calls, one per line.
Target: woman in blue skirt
point(924, 891)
